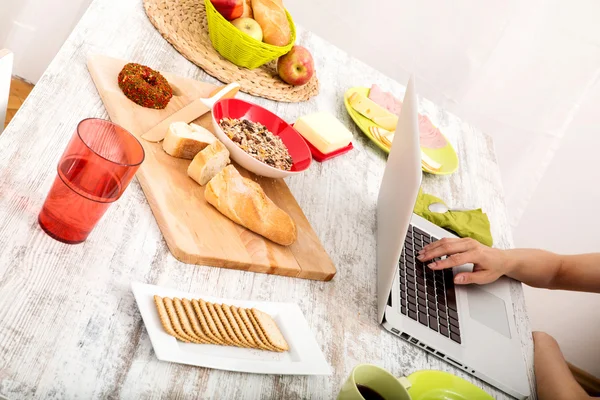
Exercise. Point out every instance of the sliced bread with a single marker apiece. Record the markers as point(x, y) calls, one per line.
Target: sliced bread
point(208, 163)
point(185, 141)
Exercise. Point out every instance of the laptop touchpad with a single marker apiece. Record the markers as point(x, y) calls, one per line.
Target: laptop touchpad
point(488, 309)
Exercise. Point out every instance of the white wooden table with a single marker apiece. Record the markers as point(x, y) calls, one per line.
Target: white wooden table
point(69, 326)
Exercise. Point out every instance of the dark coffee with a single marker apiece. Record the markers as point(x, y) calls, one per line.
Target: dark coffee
point(368, 394)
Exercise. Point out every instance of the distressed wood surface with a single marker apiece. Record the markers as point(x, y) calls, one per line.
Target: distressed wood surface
point(69, 326)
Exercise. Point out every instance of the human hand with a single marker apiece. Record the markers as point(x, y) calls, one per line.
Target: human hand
point(489, 264)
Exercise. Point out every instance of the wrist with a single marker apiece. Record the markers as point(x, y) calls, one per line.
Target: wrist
point(510, 261)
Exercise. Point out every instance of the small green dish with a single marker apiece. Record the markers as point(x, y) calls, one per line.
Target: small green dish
point(445, 156)
point(439, 385)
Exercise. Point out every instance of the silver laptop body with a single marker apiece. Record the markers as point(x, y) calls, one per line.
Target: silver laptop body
point(480, 336)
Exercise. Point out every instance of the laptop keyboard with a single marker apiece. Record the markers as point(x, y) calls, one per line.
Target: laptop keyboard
point(427, 296)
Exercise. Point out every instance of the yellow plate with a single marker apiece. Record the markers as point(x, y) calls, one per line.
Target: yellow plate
point(445, 156)
point(439, 385)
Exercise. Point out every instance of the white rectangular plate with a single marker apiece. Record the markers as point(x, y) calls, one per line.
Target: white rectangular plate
point(303, 358)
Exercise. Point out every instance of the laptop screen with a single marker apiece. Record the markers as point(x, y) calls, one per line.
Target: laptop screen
point(397, 195)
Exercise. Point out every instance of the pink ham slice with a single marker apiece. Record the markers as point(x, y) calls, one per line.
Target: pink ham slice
point(385, 99)
point(430, 136)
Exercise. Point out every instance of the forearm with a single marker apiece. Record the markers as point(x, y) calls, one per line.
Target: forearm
point(532, 267)
point(579, 272)
point(544, 269)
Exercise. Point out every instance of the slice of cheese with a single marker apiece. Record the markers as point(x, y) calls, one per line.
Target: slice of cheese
point(387, 137)
point(384, 136)
point(429, 163)
point(387, 122)
point(388, 140)
point(369, 109)
point(324, 131)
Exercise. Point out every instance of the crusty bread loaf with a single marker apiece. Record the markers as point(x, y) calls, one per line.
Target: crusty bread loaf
point(208, 163)
point(270, 15)
point(247, 13)
point(185, 141)
point(243, 201)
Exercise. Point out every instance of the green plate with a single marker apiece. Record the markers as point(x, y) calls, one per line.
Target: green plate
point(445, 156)
point(439, 385)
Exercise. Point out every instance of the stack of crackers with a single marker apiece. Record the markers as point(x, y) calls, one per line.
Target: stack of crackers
point(197, 321)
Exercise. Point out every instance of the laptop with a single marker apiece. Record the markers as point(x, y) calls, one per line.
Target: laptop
point(472, 327)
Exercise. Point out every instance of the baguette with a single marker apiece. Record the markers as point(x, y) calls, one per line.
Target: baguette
point(247, 13)
point(185, 141)
point(270, 15)
point(208, 163)
point(244, 202)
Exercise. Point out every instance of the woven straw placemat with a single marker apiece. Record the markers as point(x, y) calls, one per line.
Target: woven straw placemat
point(183, 23)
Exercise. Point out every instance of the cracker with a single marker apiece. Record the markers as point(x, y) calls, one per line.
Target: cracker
point(256, 333)
point(230, 325)
point(196, 324)
point(212, 324)
point(206, 322)
point(219, 325)
point(185, 322)
point(235, 326)
point(164, 319)
point(228, 328)
point(242, 326)
point(270, 330)
point(175, 321)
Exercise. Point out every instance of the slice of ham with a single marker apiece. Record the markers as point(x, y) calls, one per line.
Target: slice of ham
point(385, 99)
point(430, 136)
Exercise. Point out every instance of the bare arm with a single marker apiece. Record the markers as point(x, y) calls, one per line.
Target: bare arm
point(554, 379)
point(543, 269)
point(537, 268)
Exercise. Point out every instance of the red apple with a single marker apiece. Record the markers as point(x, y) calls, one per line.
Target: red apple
point(230, 9)
point(249, 27)
point(296, 67)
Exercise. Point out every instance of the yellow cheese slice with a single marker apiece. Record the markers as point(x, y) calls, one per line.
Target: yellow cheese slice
point(388, 122)
point(386, 137)
point(388, 140)
point(369, 109)
point(429, 162)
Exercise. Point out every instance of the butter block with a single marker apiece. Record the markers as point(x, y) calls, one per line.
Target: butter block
point(324, 131)
point(369, 109)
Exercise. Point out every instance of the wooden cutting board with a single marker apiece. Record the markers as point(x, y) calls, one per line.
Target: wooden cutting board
point(195, 232)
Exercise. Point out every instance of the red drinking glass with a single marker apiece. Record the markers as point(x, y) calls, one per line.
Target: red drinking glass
point(93, 172)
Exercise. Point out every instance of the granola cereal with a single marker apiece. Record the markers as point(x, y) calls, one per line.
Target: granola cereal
point(255, 139)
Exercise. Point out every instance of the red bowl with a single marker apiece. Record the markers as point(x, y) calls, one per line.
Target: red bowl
point(240, 109)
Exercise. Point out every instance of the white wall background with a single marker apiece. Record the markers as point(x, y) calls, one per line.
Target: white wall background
point(561, 217)
point(526, 73)
point(35, 29)
point(517, 70)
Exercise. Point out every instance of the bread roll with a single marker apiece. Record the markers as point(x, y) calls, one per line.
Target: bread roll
point(243, 201)
point(208, 163)
point(271, 17)
point(185, 141)
point(247, 13)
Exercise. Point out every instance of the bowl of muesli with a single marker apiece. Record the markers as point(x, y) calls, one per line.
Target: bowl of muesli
point(259, 140)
